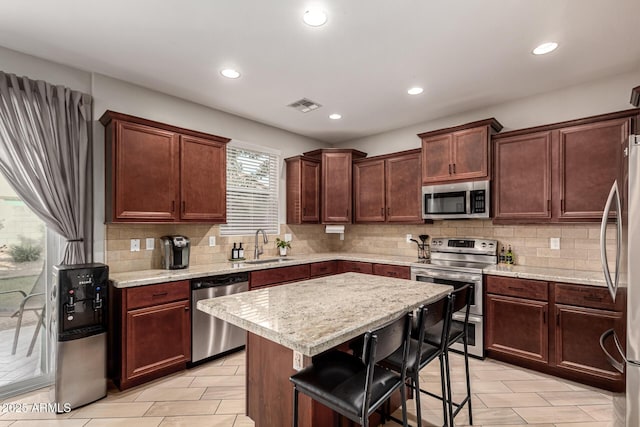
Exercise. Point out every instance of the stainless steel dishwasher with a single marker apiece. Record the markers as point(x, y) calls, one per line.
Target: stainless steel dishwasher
point(211, 336)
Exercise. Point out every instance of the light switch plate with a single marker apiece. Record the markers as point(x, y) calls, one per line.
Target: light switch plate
point(554, 243)
point(297, 360)
point(149, 243)
point(409, 237)
point(135, 245)
point(212, 240)
point(287, 237)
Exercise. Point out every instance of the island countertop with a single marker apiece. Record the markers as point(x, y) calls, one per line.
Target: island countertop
point(316, 315)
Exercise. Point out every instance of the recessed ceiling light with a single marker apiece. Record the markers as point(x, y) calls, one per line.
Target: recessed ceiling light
point(230, 73)
point(545, 48)
point(335, 116)
point(314, 17)
point(415, 91)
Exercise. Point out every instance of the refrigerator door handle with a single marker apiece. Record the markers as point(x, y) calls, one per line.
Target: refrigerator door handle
point(612, 284)
point(619, 366)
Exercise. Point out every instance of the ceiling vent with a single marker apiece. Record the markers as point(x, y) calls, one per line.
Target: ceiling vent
point(305, 105)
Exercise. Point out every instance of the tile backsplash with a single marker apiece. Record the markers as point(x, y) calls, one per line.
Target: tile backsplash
point(579, 243)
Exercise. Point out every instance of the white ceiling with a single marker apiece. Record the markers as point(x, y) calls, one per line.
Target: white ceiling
point(466, 54)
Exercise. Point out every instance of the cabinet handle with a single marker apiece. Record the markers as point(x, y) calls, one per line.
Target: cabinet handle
point(186, 309)
point(558, 319)
point(161, 294)
point(347, 212)
point(184, 206)
point(592, 298)
point(382, 211)
point(544, 317)
point(561, 205)
point(173, 206)
point(449, 168)
point(304, 211)
point(454, 168)
point(548, 205)
point(388, 211)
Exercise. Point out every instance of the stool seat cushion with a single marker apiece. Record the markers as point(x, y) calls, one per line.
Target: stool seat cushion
point(338, 379)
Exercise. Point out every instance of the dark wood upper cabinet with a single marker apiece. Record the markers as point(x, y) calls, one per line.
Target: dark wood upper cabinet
point(387, 188)
point(635, 96)
point(155, 172)
point(559, 172)
point(522, 186)
point(336, 183)
point(203, 182)
point(303, 190)
point(458, 153)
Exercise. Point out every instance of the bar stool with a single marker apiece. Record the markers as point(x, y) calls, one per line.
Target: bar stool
point(460, 298)
point(356, 386)
point(436, 315)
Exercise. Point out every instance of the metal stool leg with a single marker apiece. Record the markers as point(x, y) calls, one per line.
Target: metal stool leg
point(466, 365)
point(443, 380)
point(416, 388)
point(449, 396)
point(295, 406)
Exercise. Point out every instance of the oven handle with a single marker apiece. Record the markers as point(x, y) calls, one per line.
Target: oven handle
point(445, 275)
point(473, 318)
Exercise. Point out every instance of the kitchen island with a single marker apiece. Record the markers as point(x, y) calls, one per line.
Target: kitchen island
point(309, 318)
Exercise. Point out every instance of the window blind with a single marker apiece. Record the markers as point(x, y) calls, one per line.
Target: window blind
point(252, 191)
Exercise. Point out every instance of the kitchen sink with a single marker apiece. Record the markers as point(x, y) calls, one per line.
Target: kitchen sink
point(266, 261)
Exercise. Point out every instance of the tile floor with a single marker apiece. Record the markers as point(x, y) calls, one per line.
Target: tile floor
point(213, 395)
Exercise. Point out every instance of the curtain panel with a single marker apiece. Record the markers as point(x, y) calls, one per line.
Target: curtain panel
point(46, 156)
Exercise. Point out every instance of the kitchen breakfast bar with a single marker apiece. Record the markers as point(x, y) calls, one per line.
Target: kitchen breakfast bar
point(309, 317)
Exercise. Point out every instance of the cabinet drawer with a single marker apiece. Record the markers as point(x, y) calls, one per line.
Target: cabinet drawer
point(531, 289)
point(146, 296)
point(324, 268)
point(278, 275)
point(587, 296)
point(399, 271)
point(356, 267)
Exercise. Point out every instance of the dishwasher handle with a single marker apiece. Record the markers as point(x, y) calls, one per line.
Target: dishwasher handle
point(221, 280)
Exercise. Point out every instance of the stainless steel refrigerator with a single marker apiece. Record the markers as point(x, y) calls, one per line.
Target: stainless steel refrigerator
point(623, 281)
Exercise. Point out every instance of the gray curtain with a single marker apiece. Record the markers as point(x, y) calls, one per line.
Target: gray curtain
point(45, 155)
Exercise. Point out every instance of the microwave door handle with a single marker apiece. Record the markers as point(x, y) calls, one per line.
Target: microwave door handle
point(467, 197)
point(603, 241)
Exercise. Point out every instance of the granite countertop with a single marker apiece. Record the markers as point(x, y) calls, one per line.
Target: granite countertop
point(150, 277)
point(318, 314)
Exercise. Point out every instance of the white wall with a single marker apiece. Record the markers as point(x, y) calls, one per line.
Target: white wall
point(598, 97)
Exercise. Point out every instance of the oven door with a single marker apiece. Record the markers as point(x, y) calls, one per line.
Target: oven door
point(455, 279)
point(475, 333)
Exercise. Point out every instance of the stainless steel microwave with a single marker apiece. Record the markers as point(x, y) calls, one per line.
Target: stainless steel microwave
point(456, 201)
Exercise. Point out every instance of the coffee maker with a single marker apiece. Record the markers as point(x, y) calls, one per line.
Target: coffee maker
point(175, 252)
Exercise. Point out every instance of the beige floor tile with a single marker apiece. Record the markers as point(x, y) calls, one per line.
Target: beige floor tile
point(170, 394)
point(518, 425)
point(28, 415)
point(511, 400)
point(196, 407)
point(587, 424)
point(489, 416)
point(199, 421)
point(560, 398)
point(125, 422)
point(219, 381)
point(599, 412)
point(243, 421)
point(174, 382)
point(553, 414)
point(502, 375)
point(534, 386)
point(478, 386)
point(237, 360)
point(205, 371)
point(224, 393)
point(242, 370)
point(5, 423)
point(232, 406)
point(50, 423)
point(115, 395)
point(112, 410)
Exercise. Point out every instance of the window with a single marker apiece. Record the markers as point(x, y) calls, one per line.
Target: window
point(252, 190)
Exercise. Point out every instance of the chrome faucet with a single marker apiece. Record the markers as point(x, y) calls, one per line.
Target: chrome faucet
point(258, 251)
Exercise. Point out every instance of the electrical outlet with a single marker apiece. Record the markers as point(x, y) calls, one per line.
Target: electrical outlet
point(135, 245)
point(554, 243)
point(297, 360)
point(149, 243)
point(409, 237)
point(287, 237)
point(212, 240)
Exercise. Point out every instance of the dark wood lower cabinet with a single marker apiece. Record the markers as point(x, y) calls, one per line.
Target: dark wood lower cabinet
point(397, 271)
point(554, 328)
point(355, 267)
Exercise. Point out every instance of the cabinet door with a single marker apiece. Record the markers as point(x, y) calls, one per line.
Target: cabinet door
point(577, 343)
point(336, 188)
point(589, 163)
point(369, 191)
point(145, 180)
point(470, 153)
point(398, 271)
point(436, 159)
point(203, 184)
point(158, 337)
point(277, 276)
point(522, 188)
point(355, 267)
point(517, 327)
point(403, 189)
point(310, 191)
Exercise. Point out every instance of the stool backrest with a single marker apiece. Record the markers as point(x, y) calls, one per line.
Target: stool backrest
point(432, 314)
point(461, 299)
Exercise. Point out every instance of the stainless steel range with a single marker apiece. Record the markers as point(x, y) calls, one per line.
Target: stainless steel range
point(457, 262)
